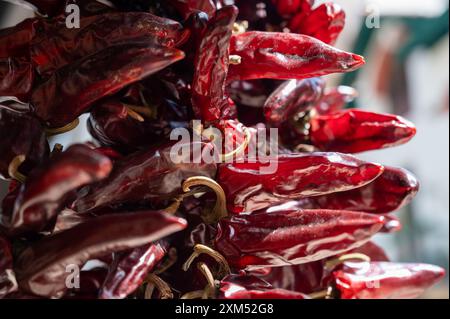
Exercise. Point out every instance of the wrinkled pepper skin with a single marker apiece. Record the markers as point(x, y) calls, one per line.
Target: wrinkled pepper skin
point(209, 99)
point(291, 98)
point(147, 177)
point(41, 268)
point(232, 291)
point(356, 131)
point(15, 41)
point(248, 188)
point(325, 22)
point(394, 189)
point(8, 283)
point(335, 99)
point(21, 134)
point(60, 46)
point(288, 8)
point(284, 238)
point(287, 56)
point(72, 90)
point(129, 269)
point(378, 280)
point(44, 193)
point(16, 78)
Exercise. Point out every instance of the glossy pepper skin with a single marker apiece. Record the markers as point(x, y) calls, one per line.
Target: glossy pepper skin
point(187, 7)
point(287, 56)
point(334, 99)
point(248, 188)
point(232, 291)
point(73, 89)
point(325, 22)
point(291, 98)
point(288, 8)
point(41, 268)
point(145, 178)
point(44, 193)
point(21, 134)
point(283, 238)
point(8, 283)
point(209, 100)
point(378, 280)
point(394, 189)
point(129, 269)
point(60, 46)
point(355, 131)
point(16, 78)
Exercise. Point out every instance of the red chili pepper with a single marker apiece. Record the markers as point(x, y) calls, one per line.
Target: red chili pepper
point(41, 268)
point(286, 56)
point(15, 41)
point(209, 99)
point(292, 98)
point(186, 7)
point(49, 7)
point(16, 78)
point(378, 280)
point(129, 269)
point(394, 189)
point(146, 178)
point(354, 131)
point(325, 22)
point(91, 282)
point(21, 134)
point(283, 238)
point(233, 291)
point(287, 8)
point(334, 99)
point(72, 90)
point(8, 283)
point(44, 193)
point(60, 46)
point(248, 188)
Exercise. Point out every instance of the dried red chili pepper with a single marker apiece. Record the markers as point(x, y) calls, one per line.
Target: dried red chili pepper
point(8, 283)
point(234, 291)
point(60, 46)
point(325, 22)
point(186, 7)
point(16, 78)
point(283, 238)
point(15, 41)
point(378, 280)
point(288, 8)
point(73, 89)
point(394, 189)
point(287, 56)
point(209, 100)
point(21, 134)
point(90, 283)
point(354, 131)
point(248, 188)
point(44, 193)
point(129, 269)
point(49, 7)
point(291, 98)
point(334, 99)
point(41, 268)
point(147, 178)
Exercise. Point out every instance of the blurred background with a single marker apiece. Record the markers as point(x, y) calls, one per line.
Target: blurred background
point(406, 45)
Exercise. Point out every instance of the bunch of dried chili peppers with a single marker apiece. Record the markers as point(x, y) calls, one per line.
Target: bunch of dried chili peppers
point(138, 224)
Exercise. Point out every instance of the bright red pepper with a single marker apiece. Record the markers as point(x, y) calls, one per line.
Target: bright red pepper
point(283, 238)
point(334, 99)
point(286, 56)
point(355, 131)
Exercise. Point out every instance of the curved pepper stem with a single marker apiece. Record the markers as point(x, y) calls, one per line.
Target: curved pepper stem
point(13, 169)
point(200, 249)
point(210, 289)
point(220, 209)
point(163, 288)
point(61, 130)
point(333, 263)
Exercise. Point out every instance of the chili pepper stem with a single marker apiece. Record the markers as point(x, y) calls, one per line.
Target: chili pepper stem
point(13, 169)
point(210, 288)
point(198, 294)
point(202, 249)
point(324, 294)
point(220, 210)
point(161, 285)
point(333, 263)
point(172, 258)
point(61, 130)
point(240, 27)
point(134, 115)
point(235, 59)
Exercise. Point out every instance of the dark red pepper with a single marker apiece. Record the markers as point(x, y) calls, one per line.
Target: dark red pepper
point(72, 90)
point(283, 238)
point(16, 78)
point(21, 134)
point(378, 280)
point(286, 56)
point(209, 100)
point(15, 41)
point(8, 283)
point(41, 268)
point(186, 7)
point(44, 193)
point(354, 131)
point(248, 188)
